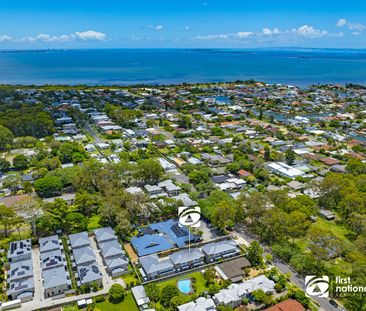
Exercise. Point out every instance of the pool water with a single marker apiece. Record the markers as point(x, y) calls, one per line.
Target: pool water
point(184, 286)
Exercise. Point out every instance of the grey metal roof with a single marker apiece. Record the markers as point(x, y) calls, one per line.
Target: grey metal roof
point(22, 285)
point(55, 277)
point(220, 247)
point(139, 294)
point(104, 234)
point(114, 263)
point(20, 270)
point(83, 255)
point(49, 243)
point(51, 259)
point(89, 273)
point(79, 239)
point(153, 263)
point(19, 248)
point(186, 256)
point(111, 248)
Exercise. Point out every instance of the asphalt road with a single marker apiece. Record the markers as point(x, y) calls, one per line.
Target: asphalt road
point(92, 133)
point(295, 278)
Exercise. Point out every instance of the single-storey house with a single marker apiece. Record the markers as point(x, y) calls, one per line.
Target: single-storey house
point(140, 296)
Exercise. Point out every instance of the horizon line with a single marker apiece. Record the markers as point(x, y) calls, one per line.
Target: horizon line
point(183, 48)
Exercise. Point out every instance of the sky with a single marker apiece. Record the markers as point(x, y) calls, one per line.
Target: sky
point(39, 24)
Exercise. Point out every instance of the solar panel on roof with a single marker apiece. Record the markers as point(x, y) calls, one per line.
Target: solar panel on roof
point(178, 231)
point(21, 287)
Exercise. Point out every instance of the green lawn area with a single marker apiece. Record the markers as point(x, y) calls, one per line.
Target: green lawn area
point(339, 231)
point(200, 281)
point(130, 277)
point(128, 304)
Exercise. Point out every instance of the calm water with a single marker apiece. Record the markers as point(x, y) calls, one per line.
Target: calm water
point(159, 66)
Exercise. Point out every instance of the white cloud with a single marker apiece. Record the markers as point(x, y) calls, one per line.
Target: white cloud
point(341, 22)
point(4, 38)
point(243, 34)
point(304, 32)
point(350, 25)
point(270, 32)
point(214, 37)
point(90, 35)
point(159, 27)
point(310, 32)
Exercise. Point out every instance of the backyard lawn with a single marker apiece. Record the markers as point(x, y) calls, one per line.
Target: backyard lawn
point(130, 277)
point(200, 281)
point(128, 304)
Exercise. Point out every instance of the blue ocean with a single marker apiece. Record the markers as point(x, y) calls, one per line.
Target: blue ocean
point(300, 67)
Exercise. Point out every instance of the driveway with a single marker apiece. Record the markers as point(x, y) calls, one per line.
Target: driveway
point(37, 275)
point(107, 280)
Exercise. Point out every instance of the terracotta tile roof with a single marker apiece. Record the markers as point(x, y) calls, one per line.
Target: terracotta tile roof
point(287, 305)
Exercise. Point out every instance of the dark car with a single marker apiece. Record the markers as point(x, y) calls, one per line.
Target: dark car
point(333, 303)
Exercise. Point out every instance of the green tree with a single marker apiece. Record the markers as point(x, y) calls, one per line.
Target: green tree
point(290, 156)
point(297, 225)
point(6, 137)
point(7, 217)
point(255, 253)
point(323, 244)
point(48, 186)
point(76, 222)
point(58, 211)
point(167, 293)
point(20, 162)
point(30, 207)
point(356, 167)
point(255, 207)
point(259, 295)
point(149, 171)
point(209, 276)
point(223, 215)
point(116, 293)
point(87, 203)
point(304, 263)
point(213, 289)
point(267, 154)
point(153, 292)
point(4, 165)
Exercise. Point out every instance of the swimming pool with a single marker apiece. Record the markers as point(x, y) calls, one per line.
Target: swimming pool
point(184, 286)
